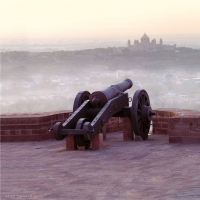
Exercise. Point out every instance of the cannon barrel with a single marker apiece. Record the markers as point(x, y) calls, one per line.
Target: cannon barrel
point(100, 98)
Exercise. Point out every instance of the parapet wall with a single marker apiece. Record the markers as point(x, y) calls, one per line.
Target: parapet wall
point(35, 127)
point(30, 127)
point(182, 126)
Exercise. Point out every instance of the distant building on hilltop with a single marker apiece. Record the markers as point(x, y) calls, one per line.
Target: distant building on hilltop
point(146, 45)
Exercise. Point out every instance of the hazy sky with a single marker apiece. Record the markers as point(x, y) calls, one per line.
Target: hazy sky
point(34, 19)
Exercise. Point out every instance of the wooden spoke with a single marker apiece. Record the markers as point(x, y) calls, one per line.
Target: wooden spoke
point(140, 99)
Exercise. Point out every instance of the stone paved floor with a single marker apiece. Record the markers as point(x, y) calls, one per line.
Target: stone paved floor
point(151, 169)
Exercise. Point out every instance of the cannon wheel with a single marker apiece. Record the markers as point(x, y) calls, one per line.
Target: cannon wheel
point(80, 139)
point(141, 126)
point(57, 127)
point(80, 98)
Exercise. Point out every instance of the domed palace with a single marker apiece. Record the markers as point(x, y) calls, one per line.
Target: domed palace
point(147, 45)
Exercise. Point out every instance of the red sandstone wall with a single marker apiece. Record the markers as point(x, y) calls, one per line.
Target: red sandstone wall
point(30, 127)
point(160, 120)
point(182, 126)
point(114, 124)
point(35, 127)
point(184, 129)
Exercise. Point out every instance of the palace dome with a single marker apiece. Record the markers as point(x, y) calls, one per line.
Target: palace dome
point(145, 36)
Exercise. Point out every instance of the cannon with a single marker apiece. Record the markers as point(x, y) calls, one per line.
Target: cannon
point(92, 111)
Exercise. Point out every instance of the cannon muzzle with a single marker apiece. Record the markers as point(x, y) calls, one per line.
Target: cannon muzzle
point(100, 98)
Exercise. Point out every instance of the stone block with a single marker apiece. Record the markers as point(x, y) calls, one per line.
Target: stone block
point(157, 124)
point(15, 132)
point(35, 132)
point(175, 139)
point(195, 133)
point(161, 113)
point(45, 119)
point(163, 119)
point(29, 126)
point(3, 121)
point(44, 131)
point(61, 116)
point(25, 132)
point(44, 137)
point(195, 127)
point(155, 119)
point(165, 125)
point(46, 125)
point(173, 114)
point(97, 141)
point(5, 132)
point(27, 120)
point(51, 135)
point(127, 129)
point(174, 133)
point(188, 120)
point(175, 120)
point(8, 127)
point(12, 120)
point(22, 138)
point(6, 138)
point(66, 115)
point(70, 142)
point(53, 117)
point(180, 126)
point(185, 132)
point(161, 131)
point(188, 140)
point(104, 132)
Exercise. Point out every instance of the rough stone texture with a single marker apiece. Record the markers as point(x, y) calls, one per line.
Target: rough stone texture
point(160, 120)
point(141, 170)
point(30, 127)
point(127, 129)
point(182, 126)
point(104, 132)
point(114, 125)
point(70, 143)
point(97, 142)
point(35, 127)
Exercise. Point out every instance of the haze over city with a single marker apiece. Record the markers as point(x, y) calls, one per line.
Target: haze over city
point(51, 50)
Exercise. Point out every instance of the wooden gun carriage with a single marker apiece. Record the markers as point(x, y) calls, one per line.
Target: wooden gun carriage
point(92, 111)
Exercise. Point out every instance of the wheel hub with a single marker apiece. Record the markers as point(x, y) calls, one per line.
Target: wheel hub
point(146, 113)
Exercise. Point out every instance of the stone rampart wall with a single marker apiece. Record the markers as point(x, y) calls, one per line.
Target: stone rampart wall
point(182, 126)
point(35, 127)
point(30, 127)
